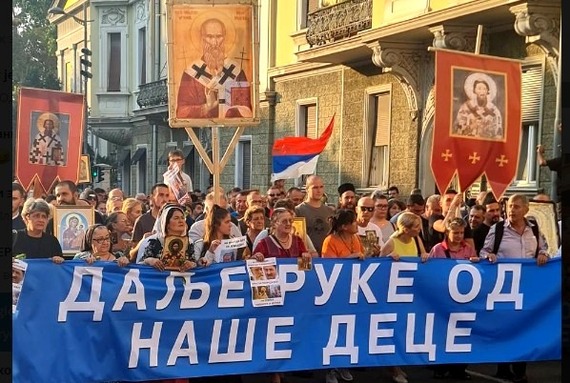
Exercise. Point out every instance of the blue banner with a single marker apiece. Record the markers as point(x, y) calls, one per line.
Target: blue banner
point(81, 323)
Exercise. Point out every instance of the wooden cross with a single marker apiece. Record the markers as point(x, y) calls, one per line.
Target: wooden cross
point(446, 155)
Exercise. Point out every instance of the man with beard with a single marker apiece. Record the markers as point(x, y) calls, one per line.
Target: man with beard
point(478, 116)
point(214, 86)
point(66, 195)
point(346, 196)
point(47, 148)
point(491, 217)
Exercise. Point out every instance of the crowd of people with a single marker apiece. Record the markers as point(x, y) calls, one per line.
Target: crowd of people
point(141, 229)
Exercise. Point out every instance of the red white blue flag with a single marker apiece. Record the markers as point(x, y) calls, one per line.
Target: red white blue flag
point(295, 156)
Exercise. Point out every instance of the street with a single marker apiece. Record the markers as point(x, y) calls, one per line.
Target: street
point(537, 372)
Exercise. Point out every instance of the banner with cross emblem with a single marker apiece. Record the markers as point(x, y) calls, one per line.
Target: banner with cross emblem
point(49, 136)
point(477, 121)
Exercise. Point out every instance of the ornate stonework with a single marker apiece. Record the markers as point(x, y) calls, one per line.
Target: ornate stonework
point(141, 13)
point(405, 61)
point(540, 25)
point(113, 16)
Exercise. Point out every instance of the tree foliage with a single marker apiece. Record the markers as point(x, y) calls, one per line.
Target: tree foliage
point(34, 45)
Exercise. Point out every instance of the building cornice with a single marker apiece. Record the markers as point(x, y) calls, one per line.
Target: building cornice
point(301, 70)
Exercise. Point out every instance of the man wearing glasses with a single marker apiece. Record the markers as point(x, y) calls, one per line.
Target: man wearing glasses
point(380, 216)
point(176, 158)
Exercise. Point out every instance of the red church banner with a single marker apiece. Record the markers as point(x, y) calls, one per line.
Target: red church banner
point(49, 136)
point(477, 120)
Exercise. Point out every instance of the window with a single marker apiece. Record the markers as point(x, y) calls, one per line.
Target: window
point(69, 77)
point(306, 125)
point(114, 63)
point(376, 163)
point(304, 8)
point(142, 56)
point(307, 119)
point(532, 90)
point(243, 163)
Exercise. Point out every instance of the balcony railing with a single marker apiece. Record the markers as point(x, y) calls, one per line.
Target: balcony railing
point(339, 21)
point(153, 94)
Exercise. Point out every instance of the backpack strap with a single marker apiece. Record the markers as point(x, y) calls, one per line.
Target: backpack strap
point(536, 233)
point(447, 253)
point(499, 229)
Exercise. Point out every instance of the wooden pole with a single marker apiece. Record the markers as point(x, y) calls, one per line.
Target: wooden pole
point(38, 190)
point(479, 38)
point(215, 165)
point(216, 162)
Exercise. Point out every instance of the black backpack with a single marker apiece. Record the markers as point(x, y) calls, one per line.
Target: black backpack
point(500, 228)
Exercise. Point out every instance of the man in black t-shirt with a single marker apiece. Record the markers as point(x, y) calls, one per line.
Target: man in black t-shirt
point(492, 216)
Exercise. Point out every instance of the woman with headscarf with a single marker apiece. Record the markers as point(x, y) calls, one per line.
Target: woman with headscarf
point(170, 222)
point(97, 247)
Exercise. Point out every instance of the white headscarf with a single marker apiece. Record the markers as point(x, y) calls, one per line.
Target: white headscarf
point(161, 223)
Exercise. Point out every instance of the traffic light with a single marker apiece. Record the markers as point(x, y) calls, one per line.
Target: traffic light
point(86, 63)
point(100, 177)
point(95, 173)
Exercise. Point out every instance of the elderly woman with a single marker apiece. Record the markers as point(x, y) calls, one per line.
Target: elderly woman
point(170, 222)
point(120, 231)
point(133, 209)
point(33, 242)
point(97, 247)
point(281, 243)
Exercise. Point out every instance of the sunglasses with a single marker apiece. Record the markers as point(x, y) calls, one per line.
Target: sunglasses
point(366, 208)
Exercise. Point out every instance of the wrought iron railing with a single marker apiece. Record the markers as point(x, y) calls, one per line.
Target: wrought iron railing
point(339, 21)
point(153, 94)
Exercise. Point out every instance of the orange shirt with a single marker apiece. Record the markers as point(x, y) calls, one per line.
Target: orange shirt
point(335, 247)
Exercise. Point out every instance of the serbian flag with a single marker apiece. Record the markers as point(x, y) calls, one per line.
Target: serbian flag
point(49, 136)
point(477, 120)
point(295, 156)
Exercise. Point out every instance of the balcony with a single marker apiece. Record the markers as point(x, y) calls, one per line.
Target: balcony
point(153, 94)
point(339, 21)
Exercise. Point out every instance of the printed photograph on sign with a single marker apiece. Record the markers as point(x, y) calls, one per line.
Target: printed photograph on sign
point(18, 273)
point(48, 138)
point(478, 105)
point(211, 64)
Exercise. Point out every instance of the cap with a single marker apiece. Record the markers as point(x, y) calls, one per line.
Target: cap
point(346, 187)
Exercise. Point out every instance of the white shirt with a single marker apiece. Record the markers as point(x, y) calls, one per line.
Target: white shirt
point(371, 227)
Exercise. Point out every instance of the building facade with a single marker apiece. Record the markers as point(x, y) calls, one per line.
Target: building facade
point(366, 62)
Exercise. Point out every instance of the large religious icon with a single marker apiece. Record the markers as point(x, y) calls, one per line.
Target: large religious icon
point(49, 137)
point(212, 63)
point(478, 105)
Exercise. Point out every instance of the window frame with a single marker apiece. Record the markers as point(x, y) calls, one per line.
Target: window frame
point(238, 161)
point(105, 56)
point(532, 175)
point(301, 126)
point(369, 137)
